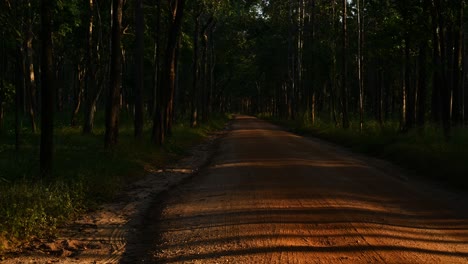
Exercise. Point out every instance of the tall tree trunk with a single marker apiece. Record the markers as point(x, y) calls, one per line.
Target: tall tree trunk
point(408, 91)
point(344, 84)
point(444, 89)
point(139, 28)
point(360, 81)
point(462, 63)
point(19, 87)
point(422, 85)
point(164, 107)
point(113, 100)
point(211, 69)
point(196, 74)
point(204, 69)
point(171, 62)
point(457, 65)
point(81, 73)
point(157, 59)
point(290, 88)
point(48, 91)
point(2, 111)
point(2, 80)
point(92, 92)
point(333, 77)
point(381, 96)
point(30, 82)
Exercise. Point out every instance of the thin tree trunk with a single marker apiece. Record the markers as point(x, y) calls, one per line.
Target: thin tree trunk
point(113, 100)
point(333, 78)
point(462, 63)
point(291, 66)
point(2, 111)
point(18, 97)
point(344, 84)
point(444, 90)
point(360, 82)
point(408, 91)
point(422, 83)
point(457, 66)
point(48, 91)
point(211, 69)
point(139, 28)
point(196, 75)
point(78, 94)
point(381, 97)
point(163, 118)
point(30, 87)
point(171, 62)
point(157, 59)
point(2, 80)
point(92, 92)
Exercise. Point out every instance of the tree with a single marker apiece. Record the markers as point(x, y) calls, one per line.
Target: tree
point(360, 66)
point(48, 91)
point(139, 74)
point(344, 80)
point(162, 121)
point(113, 100)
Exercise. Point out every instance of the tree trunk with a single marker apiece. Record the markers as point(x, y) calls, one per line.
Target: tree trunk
point(78, 94)
point(48, 91)
point(163, 115)
point(19, 87)
point(2, 112)
point(2, 81)
point(211, 69)
point(113, 100)
point(157, 59)
point(422, 85)
point(30, 82)
point(92, 92)
point(408, 91)
point(444, 89)
point(196, 75)
point(360, 82)
point(291, 69)
point(344, 85)
point(139, 28)
point(457, 66)
point(171, 62)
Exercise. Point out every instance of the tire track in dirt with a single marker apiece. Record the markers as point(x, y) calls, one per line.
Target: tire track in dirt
point(274, 197)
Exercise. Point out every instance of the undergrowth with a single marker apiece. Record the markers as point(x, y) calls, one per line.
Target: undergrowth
point(424, 152)
point(86, 174)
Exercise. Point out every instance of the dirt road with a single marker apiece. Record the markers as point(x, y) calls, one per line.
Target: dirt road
point(270, 196)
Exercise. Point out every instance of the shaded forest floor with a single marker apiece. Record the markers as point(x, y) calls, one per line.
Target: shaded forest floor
point(424, 153)
point(87, 175)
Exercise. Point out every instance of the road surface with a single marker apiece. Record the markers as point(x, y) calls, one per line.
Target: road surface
point(270, 196)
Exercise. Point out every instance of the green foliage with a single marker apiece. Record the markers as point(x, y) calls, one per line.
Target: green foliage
point(34, 209)
point(87, 173)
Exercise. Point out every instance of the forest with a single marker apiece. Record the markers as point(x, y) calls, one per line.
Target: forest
point(94, 91)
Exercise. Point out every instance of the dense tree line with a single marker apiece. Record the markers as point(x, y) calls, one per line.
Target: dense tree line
point(364, 60)
point(344, 62)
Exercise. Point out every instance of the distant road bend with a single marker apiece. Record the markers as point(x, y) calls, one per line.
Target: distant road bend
point(270, 196)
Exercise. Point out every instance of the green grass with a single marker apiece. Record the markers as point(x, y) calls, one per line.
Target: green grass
point(86, 174)
point(423, 152)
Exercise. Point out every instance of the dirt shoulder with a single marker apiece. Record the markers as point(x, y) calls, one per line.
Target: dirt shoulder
point(102, 236)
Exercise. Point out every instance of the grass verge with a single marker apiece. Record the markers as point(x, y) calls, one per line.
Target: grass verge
point(422, 152)
point(86, 174)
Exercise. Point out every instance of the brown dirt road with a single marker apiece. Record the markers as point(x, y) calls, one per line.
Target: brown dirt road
point(270, 196)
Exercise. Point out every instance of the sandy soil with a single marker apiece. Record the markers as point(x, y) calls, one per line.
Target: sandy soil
point(269, 196)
